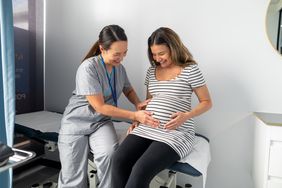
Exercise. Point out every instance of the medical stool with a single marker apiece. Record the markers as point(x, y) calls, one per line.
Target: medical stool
point(92, 172)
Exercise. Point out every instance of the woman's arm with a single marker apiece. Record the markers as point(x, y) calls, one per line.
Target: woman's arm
point(204, 105)
point(205, 102)
point(97, 102)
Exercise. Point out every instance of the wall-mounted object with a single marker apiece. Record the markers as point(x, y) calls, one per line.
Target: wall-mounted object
point(274, 24)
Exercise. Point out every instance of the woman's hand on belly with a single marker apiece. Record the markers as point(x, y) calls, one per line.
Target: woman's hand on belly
point(177, 119)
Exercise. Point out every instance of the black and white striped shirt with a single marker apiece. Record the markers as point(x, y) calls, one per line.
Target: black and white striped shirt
point(168, 97)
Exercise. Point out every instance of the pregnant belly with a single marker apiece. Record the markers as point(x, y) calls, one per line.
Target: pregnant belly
point(164, 107)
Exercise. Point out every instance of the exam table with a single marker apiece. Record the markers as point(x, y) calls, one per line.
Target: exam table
point(43, 126)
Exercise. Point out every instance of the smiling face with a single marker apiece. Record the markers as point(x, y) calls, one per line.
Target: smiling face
point(161, 54)
point(115, 54)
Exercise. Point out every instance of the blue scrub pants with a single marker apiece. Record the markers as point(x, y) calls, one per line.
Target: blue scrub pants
point(74, 151)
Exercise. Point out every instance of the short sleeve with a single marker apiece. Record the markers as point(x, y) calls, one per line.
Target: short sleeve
point(87, 80)
point(147, 78)
point(195, 77)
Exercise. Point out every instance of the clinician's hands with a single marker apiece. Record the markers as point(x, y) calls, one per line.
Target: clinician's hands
point(142, 105)
point(177, 119)
point(146, 118)
point(133, 126)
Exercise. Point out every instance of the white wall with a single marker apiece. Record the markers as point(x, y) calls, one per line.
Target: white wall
point(227, 38)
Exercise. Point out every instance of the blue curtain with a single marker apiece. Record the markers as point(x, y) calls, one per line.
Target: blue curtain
point(7, 82)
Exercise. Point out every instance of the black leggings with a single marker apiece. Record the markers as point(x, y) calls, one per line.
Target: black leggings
point(138, 160)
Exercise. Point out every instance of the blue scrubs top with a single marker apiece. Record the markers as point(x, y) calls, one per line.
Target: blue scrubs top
point(91, 78)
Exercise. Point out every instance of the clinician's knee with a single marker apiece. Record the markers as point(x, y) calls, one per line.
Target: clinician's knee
point(107, 152)
point(110, 150)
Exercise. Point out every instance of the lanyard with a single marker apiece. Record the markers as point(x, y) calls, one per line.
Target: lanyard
point(113, 89)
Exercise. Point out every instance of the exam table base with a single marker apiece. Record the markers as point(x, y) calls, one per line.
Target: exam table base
point(165, 179)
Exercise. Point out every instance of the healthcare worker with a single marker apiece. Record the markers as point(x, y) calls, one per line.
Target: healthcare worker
point(86, 124)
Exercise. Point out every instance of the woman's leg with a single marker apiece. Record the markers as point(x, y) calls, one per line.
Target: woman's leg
point(125, 157)
point(103, 142)
point(156, 158)
point(73, 150)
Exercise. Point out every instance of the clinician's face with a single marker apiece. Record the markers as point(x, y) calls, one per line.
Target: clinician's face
point(115, 54)
point(161, 54)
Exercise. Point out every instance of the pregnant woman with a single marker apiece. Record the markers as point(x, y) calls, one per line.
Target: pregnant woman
point(171, 80)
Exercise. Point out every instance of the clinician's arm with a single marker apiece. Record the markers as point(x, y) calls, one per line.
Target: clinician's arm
point(204, 105)
point(139, 106)
point(133, 98)
point(148, 96)
point(97, 102)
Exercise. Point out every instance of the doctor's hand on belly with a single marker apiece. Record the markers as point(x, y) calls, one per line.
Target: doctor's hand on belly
point(146, 118)
point(177, 119)
point(132, 126)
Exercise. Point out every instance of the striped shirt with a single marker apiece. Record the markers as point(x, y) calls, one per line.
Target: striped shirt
point(168, 97)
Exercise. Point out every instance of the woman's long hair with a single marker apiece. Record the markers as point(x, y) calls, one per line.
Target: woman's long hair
point(179, 53)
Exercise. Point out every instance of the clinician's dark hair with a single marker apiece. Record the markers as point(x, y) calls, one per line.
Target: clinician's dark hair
point(179, 53)
point(107, 37)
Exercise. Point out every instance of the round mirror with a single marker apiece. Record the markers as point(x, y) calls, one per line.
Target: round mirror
point(273, 24)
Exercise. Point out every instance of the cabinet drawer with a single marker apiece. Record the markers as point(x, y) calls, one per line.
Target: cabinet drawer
point(276, 133)
point(274, 183)
point(275, 159)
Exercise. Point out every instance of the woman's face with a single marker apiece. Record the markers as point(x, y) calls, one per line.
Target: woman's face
point(161, 54)
point(115, 54)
